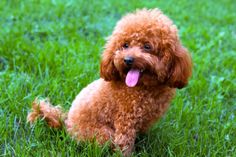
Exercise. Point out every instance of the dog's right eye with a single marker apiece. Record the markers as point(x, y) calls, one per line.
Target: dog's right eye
point(125, 46)
point(147, 47)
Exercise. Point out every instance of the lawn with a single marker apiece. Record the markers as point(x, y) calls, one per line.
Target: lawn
point(52, 49)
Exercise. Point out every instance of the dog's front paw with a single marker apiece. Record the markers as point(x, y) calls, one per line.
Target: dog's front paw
point(125, 144)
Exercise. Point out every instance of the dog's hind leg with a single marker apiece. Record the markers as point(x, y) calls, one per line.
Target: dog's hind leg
point(90, 131)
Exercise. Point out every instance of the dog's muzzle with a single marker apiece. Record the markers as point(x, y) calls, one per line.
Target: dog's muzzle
point(128, 60)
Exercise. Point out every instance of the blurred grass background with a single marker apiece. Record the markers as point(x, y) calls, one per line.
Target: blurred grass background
point(52, 48)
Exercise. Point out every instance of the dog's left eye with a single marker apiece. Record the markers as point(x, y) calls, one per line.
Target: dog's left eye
point(147, 47)
point(126, 45)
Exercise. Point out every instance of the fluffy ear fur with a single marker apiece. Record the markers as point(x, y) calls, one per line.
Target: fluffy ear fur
point(181, 68)
point(107, 68)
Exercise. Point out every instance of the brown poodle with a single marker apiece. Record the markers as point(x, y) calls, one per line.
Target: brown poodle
point(142, 65)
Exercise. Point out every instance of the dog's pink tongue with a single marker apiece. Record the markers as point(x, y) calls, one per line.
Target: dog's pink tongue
point(132, 77)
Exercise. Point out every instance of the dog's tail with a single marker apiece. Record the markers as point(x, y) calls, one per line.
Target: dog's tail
point(53, 115)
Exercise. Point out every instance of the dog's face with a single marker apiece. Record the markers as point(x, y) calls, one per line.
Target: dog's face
point(144, 49)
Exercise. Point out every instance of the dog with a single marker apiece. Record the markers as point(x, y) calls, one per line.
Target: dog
point(142, 65)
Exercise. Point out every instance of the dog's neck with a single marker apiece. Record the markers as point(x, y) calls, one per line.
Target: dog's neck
point(140, 86)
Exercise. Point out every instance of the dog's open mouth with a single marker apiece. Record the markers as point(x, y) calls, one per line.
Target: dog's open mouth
point(132, 77)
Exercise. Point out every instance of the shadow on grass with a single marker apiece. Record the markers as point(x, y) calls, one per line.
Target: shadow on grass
point(151, 144)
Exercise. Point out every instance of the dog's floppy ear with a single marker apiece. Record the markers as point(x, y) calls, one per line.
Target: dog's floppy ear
point(107, 68)
point(181, 67)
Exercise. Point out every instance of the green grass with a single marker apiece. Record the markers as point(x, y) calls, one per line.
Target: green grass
point(52, 49)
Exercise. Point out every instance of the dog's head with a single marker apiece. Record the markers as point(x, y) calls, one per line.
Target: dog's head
point(144, 49)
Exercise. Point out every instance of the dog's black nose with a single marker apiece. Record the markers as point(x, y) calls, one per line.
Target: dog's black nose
point(129, 60)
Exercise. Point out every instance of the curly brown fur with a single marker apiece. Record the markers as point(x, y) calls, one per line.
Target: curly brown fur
point(53, 115)
point(130, 95)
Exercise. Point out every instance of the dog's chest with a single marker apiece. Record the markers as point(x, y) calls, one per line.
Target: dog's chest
point(146, 99)
point(143, 105)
